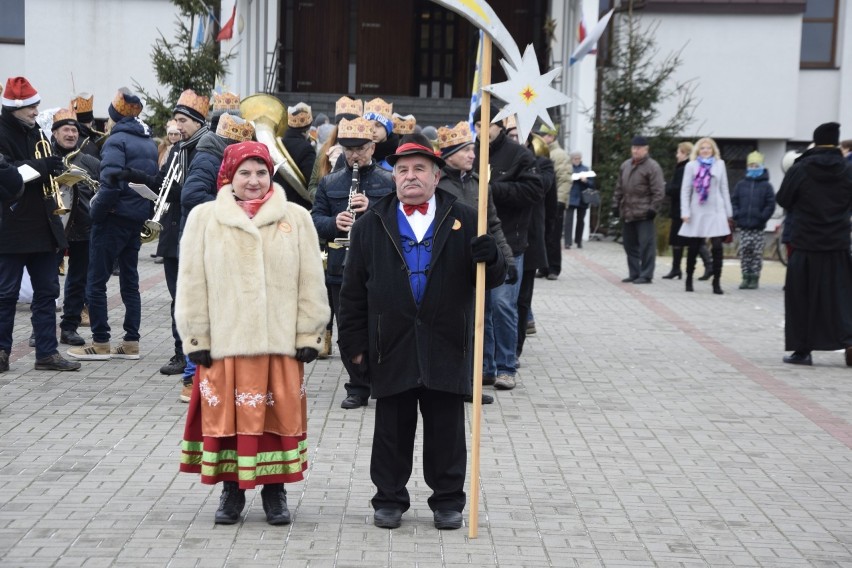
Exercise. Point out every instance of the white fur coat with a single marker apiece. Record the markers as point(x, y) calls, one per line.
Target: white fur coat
point(250, 286)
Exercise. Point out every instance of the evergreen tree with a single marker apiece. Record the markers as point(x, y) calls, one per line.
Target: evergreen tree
point(632, 88)
point(179, 65)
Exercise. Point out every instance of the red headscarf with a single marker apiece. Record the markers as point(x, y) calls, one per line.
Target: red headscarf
point(236, 154)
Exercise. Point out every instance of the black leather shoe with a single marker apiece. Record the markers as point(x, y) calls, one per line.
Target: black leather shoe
point(486, 398)
point(628, 279)
point(31, 340)
point(642, 281)
point(353, 401)
point(71, 338)
point(848, 357)
point(231, 503)
point(175, 366)
point(448, 520)
point(799, 358)
point(274, 498)
point(4, 361)
point(388, 518)
point(56, 362)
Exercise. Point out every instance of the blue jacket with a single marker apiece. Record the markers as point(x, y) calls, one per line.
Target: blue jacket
point(200, 184)
point(753, 202)
point(575, 198)
point(129, 146)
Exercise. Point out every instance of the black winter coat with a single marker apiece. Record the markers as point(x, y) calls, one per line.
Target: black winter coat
point(673, 189)
point(407, 346)
point(516, 187)
point(753, 202)
point(536, 255)
point(27, 222)
point(79, 224)
point(11, 182)
point(333, 197)
point(301, 151)
point(817, 190)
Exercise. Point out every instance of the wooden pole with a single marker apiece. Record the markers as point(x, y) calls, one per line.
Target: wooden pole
point(479, 311)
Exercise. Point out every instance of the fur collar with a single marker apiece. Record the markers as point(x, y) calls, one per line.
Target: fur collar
point(229, 213)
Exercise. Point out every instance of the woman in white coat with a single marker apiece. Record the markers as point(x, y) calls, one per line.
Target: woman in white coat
point(705, 207)
point(251, 307)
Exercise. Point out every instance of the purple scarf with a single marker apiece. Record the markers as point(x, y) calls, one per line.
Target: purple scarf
point(701, 182)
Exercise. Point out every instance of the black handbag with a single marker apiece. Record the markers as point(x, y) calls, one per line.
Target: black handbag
point(591, 197)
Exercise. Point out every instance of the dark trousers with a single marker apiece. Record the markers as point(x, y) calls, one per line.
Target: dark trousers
point(75, 285)
point(553, 240)
point(640, 243)
point(573, 229)
point(44, 275)
point(444, 450)
point(359, 383)
point(111, 241)
point(524, 307)
point(170, 267)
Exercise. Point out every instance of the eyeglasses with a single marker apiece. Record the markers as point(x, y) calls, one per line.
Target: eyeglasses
point(359, 150)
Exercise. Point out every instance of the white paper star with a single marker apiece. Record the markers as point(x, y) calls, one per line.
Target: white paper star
point(528, 93)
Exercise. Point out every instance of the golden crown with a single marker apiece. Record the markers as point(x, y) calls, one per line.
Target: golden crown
point(345, 105)
point(359, 128)
point(225, 102)
point(123, 107)
point(458, 134)
point(379, 106)
point(84, 102)
point(235, 128)
point(404, 124)
point(299, 116)
point(64, 114)
point(196, 102)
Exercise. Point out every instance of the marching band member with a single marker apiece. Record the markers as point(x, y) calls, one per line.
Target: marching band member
point(30, 234)
point(380, 113)
point(83, 107)
point(297, 143)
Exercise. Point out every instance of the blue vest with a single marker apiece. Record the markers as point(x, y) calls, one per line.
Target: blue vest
point(417, 256)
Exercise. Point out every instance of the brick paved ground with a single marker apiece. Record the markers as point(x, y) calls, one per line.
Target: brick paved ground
point(650, 428)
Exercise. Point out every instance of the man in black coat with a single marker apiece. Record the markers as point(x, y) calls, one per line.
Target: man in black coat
point(406, 318)
point(30, 234)
point(296, 142)
point(818, 190)
point(516, 187)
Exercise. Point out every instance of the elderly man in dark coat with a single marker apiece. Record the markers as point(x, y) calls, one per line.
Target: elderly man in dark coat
point(410, 330)
point(818, 190)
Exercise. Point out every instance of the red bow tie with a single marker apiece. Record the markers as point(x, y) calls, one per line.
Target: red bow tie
point(410, 209)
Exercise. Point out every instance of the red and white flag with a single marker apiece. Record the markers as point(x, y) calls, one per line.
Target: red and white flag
point(227, 31)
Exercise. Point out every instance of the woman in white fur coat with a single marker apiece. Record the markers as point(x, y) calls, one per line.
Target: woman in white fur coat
point(705, 207)
point(251, 308)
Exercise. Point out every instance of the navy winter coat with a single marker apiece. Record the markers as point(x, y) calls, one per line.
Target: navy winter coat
point(129, 146)
point(200, 184)
point(753, 202)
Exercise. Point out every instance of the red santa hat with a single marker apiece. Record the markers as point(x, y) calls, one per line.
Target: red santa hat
point(19, 93)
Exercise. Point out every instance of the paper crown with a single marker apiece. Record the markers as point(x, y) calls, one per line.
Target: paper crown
point(404, 124)
point(62, 117)
point(84, 102)
point(449, 138)
point(225, 102)
point(345, 105)
point(299, 116)
point(379, 106)
point(193, 105)
point(20, 93)
point(354, 132)
point(235, 128)
point(124, 104)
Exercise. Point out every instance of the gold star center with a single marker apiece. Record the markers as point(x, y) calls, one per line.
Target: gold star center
point(528, 94)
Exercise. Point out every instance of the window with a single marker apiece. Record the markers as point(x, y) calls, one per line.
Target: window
point(819, 34)
point(12, 22)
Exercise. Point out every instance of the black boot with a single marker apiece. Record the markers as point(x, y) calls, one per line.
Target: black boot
point(717, 270)
point(708, 263)
point(231, 503)
point(675, 272)
point(274, 498)
point(690, 268)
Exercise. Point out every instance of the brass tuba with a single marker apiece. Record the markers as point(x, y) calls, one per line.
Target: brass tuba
point(269, 117)
point(540, 147)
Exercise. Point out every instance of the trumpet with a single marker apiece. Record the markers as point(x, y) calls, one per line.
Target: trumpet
point(51, 188)
point(152, 227)
point(353, 191)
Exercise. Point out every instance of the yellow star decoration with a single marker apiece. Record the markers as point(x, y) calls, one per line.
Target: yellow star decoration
point(527, 93)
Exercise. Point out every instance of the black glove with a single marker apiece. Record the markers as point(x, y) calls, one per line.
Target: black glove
point(201, 358)
point(650, 215)
point(306, 354)
point(511, 274)
point(135, 176)
point(483, 249)
point(54, 165)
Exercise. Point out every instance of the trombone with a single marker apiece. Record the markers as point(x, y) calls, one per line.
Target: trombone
point(152, 227)
point(51, 188)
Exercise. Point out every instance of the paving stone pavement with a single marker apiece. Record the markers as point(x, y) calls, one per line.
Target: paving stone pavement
point(650, 427)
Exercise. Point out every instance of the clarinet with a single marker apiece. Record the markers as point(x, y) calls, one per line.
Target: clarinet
point(353, 191)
